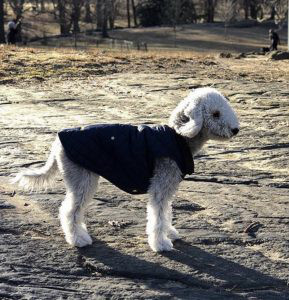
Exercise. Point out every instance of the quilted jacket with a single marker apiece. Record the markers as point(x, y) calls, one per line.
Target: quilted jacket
point(125, 155)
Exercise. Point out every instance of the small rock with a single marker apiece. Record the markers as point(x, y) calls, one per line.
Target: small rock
point(119, 224)
point(209, 63)
point(252, 229)
point(241, 55)
point(187, 206)
point(225, 55)
point(243, 74)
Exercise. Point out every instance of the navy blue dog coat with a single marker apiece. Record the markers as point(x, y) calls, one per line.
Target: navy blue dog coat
point(125, 155)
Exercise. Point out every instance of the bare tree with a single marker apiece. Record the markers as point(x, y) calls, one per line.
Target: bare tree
point(210, 10)
point(246, 8)
point(275, 10)
point(101, 11)
point(104, 21)
point(128, 12)
point(281, 11)
point(76, 6)
point(40, 3)
point(2, 32)
point(134, 12)
point(105, 11)
point(228, 11)
point(68, 13)
point(98, 12)
point(112, 12)
point(17, 7)
point(272, 12)
point(62, 17)
point(87, 17)
point(256, 8)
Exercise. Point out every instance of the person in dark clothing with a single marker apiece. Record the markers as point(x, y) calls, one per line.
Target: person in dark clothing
point(13, 29)
point(275, 40)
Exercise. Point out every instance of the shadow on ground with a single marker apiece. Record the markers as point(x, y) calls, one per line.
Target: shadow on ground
point(200, 270)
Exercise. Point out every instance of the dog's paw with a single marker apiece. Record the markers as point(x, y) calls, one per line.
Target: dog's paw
point(160, 245)
point(80, 238)
point(173, 234)
point(83, 240)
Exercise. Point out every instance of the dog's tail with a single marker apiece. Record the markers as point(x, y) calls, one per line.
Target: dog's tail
point(36, 179)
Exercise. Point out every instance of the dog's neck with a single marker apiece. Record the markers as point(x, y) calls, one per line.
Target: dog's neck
point(197, 142)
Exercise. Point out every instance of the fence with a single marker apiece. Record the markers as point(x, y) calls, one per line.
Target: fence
point(83, 40)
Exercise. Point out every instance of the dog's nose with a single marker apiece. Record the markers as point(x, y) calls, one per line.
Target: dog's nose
point(235, 131)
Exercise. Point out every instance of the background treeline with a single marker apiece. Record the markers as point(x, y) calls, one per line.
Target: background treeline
point(74, 15)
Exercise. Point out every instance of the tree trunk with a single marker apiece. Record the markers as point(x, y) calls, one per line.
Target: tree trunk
point(134, 13)
point(210, 11)
point(55, 9)
point(42, 6)
point(253, 11)
point(75, 16)
point(273, 12)
point(246, 9)
point(99, 16)
point(111, 14)
point(87, 17)
point(2, 32)
point(17, 7)
point(104, 20)
point(111, 21)
point(128, 12)
point(62, 18)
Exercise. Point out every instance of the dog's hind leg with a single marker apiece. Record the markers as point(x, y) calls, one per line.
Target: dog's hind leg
point(81, 185)
point(159, 211)
point(79, 193)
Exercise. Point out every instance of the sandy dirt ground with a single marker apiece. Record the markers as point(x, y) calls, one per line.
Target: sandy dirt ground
point(232, 213)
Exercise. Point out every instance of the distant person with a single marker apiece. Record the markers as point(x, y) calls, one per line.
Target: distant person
point(13, 29)
point(275, 40)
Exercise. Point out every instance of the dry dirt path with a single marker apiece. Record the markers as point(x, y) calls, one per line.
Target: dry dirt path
point(239, 185)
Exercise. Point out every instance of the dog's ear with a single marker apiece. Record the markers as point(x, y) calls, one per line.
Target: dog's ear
point(187, 119)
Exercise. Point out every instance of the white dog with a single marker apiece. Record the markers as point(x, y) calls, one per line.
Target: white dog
point(205, 114)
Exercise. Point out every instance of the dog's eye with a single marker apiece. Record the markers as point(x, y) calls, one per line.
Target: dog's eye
point(184, 119)
point(216, 114)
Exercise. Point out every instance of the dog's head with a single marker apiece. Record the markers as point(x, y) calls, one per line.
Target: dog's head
point(207, 111)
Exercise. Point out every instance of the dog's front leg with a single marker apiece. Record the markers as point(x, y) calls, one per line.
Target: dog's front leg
point(159, 210)
point(158, 224)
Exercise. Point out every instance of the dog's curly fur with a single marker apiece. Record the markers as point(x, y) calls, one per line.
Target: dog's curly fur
point(205, 114)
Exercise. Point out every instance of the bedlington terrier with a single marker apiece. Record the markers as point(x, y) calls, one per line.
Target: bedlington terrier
point(203, 115)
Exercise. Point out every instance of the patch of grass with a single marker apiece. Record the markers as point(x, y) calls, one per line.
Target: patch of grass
point(20, 65)
point(29, 63)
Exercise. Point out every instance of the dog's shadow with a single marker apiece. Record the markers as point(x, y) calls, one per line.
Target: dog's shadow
point(187, 265)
